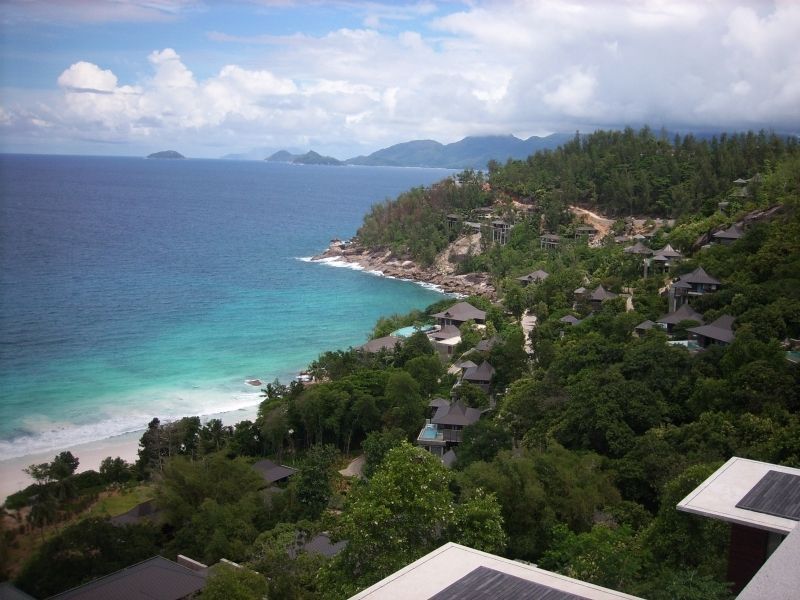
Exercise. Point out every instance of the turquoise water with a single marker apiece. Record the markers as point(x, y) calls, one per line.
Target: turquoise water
point(134, 288)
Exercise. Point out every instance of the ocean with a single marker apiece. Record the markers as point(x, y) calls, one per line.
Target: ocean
point(134, 288)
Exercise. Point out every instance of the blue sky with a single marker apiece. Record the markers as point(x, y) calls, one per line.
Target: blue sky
point(347, 77)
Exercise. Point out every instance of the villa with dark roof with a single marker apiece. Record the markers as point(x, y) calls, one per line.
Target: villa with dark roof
point(480, 375)
point(684, 313)
point(444, 430)
point(387, 343)
point(663, 260)
point(728, 236)
point(696, 283)
point(444, 340)
point(638, 249)
point(550, 241)
point(460, 313)
point(535, 277)
point(718, 332)
point(600, 295)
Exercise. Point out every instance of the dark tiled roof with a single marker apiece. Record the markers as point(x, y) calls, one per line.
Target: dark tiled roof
point(570, 319)
point(638, 248)
point(462, 311)
point(449, 458)
point(438, 403)
point(321, 544)
point(446, 332)
point(775, 494)
point(645, 325)
point(486, 345)
point(154, 579)
point(272, 472)
point(731, 233)
point(456, 414)
point(720, 330)
point(382, 343)
point(483, 372)
point(467, 364)
point(684, 313)
point(668, 252)
point(534, 277)
point(484, 583)
point(600, 294)
point(699, 275)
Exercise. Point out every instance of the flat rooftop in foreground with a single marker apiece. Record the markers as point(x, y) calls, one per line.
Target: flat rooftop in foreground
point(718, 495)
point(455, 571)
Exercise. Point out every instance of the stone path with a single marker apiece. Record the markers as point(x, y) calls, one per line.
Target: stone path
point(355, 467)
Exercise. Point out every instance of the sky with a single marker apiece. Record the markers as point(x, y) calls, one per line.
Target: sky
point(347, 77)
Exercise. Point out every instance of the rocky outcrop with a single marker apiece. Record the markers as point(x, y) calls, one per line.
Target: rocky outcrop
point(384, 261)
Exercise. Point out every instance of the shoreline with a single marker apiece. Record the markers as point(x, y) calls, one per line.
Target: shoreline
point(380, 262)
point(91, 454)
point(383, 262)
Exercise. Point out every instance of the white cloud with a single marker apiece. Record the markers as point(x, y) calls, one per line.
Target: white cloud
point(503, 67)
point(84, 76)
point(573, 93)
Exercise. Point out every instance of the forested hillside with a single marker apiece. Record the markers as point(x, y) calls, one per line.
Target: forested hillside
point(415, 221)
point(618, 173)
point(642, 173)
point(587, 442)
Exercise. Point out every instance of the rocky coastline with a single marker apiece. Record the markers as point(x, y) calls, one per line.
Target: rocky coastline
point(387, 263)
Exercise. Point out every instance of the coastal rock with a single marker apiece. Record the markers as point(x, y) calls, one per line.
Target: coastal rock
point(254, 382)
point(383, 260)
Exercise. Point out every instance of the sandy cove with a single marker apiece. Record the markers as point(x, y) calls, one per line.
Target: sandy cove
point(384, 261)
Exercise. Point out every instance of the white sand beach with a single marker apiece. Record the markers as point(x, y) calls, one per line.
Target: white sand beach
point(91, 454)
point(13, 479)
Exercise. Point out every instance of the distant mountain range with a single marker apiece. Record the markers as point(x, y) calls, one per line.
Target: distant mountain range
point(469, 153)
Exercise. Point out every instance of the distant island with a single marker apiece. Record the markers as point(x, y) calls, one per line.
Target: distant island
point(309, 158)
point(166, 154)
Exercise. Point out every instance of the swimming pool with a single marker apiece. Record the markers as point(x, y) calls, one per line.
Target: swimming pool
point(405, 332)
point(429, 432)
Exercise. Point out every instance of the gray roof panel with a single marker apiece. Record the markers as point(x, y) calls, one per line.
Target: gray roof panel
point(484, 583)
point(775, 494)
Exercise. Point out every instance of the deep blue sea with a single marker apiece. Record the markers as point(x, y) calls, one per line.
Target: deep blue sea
point(133, 288)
